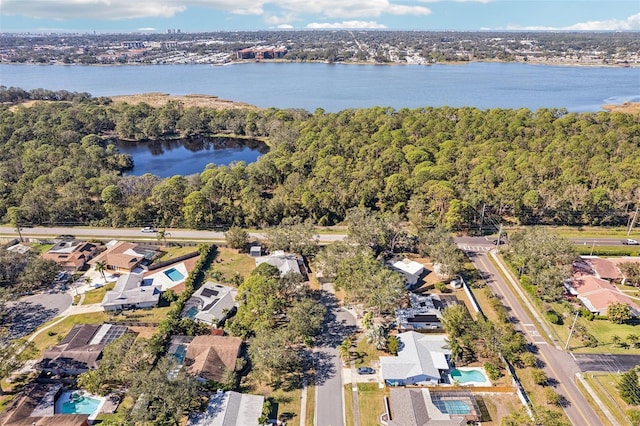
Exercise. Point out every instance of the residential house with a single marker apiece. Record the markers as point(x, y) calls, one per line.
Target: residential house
point(424, 313)
point(210, 357)
point(604, 268)
point(81, 349)
point(229, 409)
point(423, 359)
point(285, 262)
point(596, 294)
point(211, 303)
point(71, 255)
point(423, 407)
point(131, 291)
point(122, 256)
point(410, 269)
point(34, 406)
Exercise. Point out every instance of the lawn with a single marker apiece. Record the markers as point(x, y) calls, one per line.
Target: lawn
point(608, 251)
point(171, 252)
point(592, 231)
point(604, 385)
point(370, 402)
point(287, 403)
point(154, 315)
point(96, 296)
point(229, 262)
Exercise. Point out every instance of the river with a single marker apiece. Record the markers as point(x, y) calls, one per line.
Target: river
point(335, 87)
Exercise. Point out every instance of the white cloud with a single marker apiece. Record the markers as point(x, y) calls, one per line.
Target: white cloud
point(629, 24)
point(128, 9)
point(147, 29)
point(285, 26)
point(345, 24)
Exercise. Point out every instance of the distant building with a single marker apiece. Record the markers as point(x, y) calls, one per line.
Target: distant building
point(425, 312)
point(262, 53)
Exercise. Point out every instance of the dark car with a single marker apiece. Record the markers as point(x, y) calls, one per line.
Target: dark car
point(366, 370)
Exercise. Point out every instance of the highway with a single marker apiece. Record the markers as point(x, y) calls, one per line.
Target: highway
point(558, 365)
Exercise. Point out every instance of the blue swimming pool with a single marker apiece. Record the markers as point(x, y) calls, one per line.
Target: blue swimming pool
point(468, 376)
point(192, 312)
point(455, 406)
point(180, 354)
point(174, 275)
point(77, 403)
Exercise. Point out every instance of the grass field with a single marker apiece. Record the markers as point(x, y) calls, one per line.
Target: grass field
point(96, 296)
point(370, 402)
point(171, 252)
point(604, 385)
point(52, 335)
point(229, 262)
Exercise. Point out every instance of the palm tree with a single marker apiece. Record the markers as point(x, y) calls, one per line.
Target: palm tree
point(367, 320)
point(101, 266)
point(162, 235)
point(344, 349)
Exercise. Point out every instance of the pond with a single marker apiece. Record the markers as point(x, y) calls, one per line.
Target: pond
point(165, 158)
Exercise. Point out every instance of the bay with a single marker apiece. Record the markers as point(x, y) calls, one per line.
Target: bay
point(165, 158)
point(335, 87)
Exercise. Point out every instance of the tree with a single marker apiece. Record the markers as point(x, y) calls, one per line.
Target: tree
point(237, 238)
point(629, 387)
point(100, 267)
point(618, 312)
point(306, 317)
point(13, 354)
point(38, 273)
point(15, 218)
point(538, 376)
point(631, 271)
point(274, 356)
point(393, 344)
point(161, 235)
point(344, 349)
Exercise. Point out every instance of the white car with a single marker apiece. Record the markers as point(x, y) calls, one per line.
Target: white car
point(630, 242)
point(148, 229)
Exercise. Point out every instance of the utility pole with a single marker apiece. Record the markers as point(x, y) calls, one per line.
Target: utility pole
point(484, 205)
point(571, 331)
point(633, 221)
point(499, 236)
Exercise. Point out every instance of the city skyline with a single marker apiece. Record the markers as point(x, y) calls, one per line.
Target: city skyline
point(228, 15)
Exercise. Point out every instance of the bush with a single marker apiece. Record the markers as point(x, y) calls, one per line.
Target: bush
point(539, 376)
point(492, 370)
point(528, 359)
point(587, 314)
point(554, 318)
point(551, 396)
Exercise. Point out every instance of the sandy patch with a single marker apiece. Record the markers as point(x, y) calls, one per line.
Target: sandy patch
point(627, 108)
point(160, 99)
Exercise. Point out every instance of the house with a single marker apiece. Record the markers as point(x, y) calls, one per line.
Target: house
point(424, 407)
point(71, 255)
point(424, 313)
point(423, 359)
point(255, 251)
point(604, 268)
point(81, 348)
point(596, 294)
point(131, 291)
point(211, 303)
point(285, 262)
point(171, 274)
point(410, 269)
point(229, 409)
point(211, 357)
point(34, 406)
point(122, 256)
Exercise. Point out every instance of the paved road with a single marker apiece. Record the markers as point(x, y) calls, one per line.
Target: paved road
point(559, 365)
point(470, 243)
point(30, 312)
point(329, 389)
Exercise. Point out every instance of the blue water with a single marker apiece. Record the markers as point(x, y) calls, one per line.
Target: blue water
point(84, 405)
point(174, 275)
point(455, 406)
point(192, 312)
point(184, 157)
point(335, 87)
point(180, 354)
point(468, 376)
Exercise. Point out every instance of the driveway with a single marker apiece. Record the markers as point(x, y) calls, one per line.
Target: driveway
point(30, 312)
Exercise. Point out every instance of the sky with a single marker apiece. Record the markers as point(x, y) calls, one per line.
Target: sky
point(108, 16)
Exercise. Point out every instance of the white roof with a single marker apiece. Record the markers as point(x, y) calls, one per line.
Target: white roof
point(284, 262)
point(420, 354)
point(229, 409)
point(408, 266)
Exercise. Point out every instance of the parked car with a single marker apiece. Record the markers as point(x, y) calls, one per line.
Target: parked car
point(630, 242)
point(148, 229)
point(366, 370)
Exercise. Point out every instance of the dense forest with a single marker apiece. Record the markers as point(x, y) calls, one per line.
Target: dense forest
point(431, 166)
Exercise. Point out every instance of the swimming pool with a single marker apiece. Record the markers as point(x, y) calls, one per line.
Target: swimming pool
point(180, 354)
point(454, 406)
point(174, 275)
point(468, 376)
point(192, 312)
point(76, 402)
